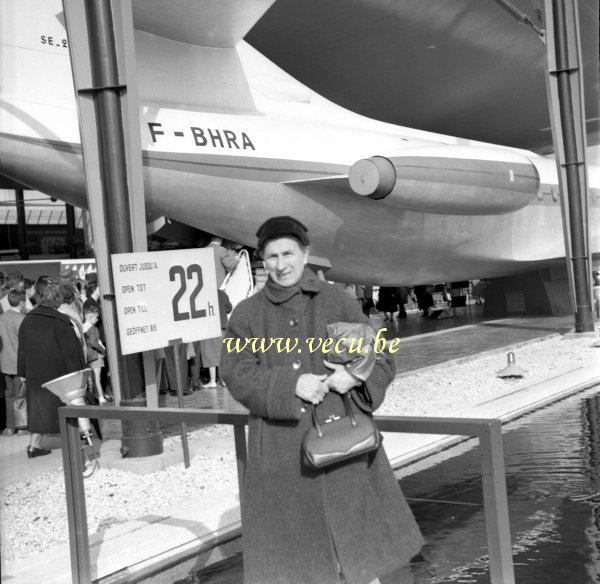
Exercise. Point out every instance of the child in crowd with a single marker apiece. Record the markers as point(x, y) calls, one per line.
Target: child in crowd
point(10, 321)
point(29, 289)
point(95, 348)
point(14, 281)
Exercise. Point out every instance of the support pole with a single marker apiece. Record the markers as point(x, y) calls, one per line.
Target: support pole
point(241, 455)
point(103, 58)
point(113, 166)
point(567, 115)
point(71, 247)
point(176, 344)
point(21, 224)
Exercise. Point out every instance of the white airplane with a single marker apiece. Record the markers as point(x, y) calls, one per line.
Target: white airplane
point(229, 139)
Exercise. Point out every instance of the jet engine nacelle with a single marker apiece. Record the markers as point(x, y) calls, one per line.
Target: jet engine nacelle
point(456, 180)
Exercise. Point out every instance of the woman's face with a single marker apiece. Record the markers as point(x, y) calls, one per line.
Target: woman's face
point(285, 260)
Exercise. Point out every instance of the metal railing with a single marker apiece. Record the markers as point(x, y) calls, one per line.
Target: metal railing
point(488, 431)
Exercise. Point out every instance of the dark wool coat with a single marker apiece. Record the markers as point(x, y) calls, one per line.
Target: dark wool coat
point(388, 299)
point(298, 523)
point(48, 348)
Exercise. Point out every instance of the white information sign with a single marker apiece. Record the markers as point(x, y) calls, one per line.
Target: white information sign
point(165, 295)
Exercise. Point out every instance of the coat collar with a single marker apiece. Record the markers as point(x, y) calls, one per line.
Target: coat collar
point(50, 313)
point(308, 283)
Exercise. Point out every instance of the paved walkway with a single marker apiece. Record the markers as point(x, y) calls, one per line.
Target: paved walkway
point(446, 343)
point(425, 343)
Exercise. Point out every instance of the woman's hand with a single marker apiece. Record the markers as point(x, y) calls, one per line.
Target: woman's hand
point(340, 380)
point(311, 388)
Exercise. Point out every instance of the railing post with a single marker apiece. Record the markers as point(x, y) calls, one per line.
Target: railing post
point(239, 434)
point(75, 493)
point(176, 344)
point(496, 504)
point(492, 471)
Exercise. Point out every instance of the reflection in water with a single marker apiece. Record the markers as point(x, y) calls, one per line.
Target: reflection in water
point(552, 466)
point(551, 458)
point(591, 425)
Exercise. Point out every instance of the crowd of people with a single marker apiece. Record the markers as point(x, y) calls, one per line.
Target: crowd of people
point(53, 326)
point(48, 328)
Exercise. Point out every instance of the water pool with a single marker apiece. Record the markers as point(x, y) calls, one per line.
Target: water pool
point(552, 461)
point(552, 467)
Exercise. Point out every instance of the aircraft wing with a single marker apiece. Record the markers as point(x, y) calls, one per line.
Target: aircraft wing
point(220, 23)
point(462, 68)
point(329, 182)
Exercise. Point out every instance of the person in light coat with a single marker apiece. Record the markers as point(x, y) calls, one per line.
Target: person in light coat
point(347, 523)
point(10, 321)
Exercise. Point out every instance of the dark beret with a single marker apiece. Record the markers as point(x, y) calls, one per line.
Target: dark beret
point(283, 226)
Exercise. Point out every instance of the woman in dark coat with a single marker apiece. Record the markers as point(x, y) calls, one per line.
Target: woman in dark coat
point(48, 348)
point(349, 522)
point(388, 301)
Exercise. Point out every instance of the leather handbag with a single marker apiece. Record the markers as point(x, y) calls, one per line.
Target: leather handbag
point(341, 438)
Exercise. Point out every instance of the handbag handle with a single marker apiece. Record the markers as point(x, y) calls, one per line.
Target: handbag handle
point(349, 413)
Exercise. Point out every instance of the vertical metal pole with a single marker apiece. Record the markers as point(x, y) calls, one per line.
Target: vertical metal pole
point(567, 116)
point(178, 386)
point(151, 379)
point(88, 235)
point(71, 247)
point(75, 493)
point(102, 55)
point(496, 505)
point(113, 166)
point(21, 224)
point(241, 453)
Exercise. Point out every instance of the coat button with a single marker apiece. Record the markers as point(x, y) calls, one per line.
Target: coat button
point(297, 364)
point(303, 410)
point(293, 322)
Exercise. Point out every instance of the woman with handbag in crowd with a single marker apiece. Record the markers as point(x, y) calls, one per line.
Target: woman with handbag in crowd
point(348, 522)
point(48, 348)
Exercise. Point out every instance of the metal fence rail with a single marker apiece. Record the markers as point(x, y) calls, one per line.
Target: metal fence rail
point(488, 431)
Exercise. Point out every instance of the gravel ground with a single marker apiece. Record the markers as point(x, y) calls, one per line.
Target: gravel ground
point(451, 387)
point(33, 514)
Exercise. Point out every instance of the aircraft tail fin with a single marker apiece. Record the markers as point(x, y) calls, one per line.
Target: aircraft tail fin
point(186, 54)
point(35, 72)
